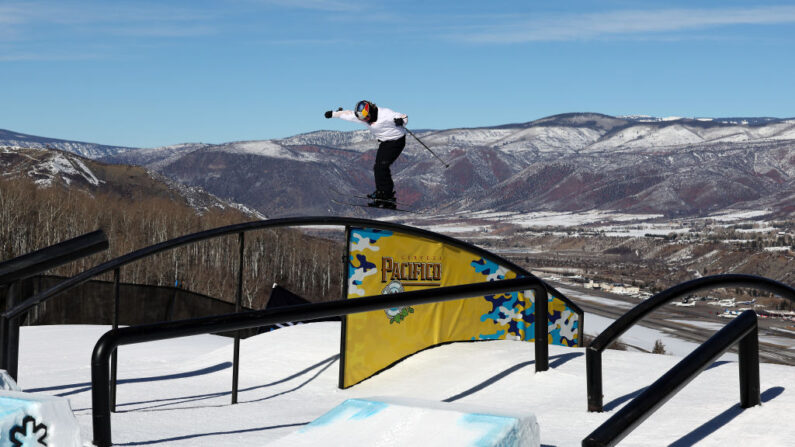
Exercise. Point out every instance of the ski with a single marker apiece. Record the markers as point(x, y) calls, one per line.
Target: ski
point(358, 196)
point(364, 205)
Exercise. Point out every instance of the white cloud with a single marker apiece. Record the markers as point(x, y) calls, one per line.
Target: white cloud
point(80, 13)
point(83, 29)
point(627, 22)
point(163, 30)
point(20, 56)
point(13, 13)
point(321, 5)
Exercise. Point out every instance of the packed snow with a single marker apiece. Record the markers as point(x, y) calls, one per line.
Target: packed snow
point(735, 215)
point(266, 148)
point(177, 392)
point(60, 165)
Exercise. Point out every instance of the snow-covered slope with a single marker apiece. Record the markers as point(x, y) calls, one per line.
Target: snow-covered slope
point(49, 167)
point(355, 139)
point(269, 149)
point(682, 132)
point(177, 392)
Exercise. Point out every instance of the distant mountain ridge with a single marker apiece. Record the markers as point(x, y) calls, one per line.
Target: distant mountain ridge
point(567, 162)
point(51, 167)
point(88, 150)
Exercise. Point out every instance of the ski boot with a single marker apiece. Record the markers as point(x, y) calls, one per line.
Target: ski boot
point(382, 200)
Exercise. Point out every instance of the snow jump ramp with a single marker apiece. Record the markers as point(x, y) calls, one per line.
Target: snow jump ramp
point(34, 419)
point(390, 421)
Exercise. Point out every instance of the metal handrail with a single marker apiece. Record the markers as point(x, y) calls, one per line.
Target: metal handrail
point(270, 224)
point(742, 329)
point(22, 267)
point(107, 344)
point(593, 354)
point(53, 256)
point(116, 264)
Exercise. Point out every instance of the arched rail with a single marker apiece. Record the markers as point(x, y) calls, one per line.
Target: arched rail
point(593, 353)
point(261, 225)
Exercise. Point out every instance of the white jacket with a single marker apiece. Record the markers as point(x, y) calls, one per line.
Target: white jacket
point(384, 128)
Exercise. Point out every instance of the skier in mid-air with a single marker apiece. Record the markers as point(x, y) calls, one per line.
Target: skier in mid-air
point(387, 127)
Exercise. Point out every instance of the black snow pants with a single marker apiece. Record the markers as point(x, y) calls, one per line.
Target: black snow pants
point(388, 152)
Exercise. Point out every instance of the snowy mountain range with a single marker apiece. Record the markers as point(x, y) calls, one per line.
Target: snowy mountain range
point(570, 162)
point(51, 167)
point(88, 150)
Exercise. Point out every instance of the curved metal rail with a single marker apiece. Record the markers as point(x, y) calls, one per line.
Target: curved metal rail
point(268, 224)
point(593, 354)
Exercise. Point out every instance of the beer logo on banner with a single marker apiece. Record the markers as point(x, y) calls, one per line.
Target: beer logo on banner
point(415, 271)
point(396, 314)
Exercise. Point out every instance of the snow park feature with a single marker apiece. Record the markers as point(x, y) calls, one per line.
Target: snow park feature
point(172, 385)
point(35, 419)
point(394, 260)
point(390, 421)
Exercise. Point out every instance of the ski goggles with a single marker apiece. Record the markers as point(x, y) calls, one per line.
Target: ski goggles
point(363, 111)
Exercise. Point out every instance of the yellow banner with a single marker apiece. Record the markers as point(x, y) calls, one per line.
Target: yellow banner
point(382, 261)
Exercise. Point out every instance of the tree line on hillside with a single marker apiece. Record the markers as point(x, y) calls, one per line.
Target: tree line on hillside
point(32, 218)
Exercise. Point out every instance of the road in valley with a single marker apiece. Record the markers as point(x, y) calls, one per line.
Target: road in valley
point(694, 324)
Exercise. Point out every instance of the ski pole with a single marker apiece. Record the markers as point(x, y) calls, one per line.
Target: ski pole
point(426, 147)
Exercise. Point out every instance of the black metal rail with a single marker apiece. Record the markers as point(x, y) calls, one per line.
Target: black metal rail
point(271, 224)
point(107, 344)
point(15, 270)
point(742, 330)
point(53, 256)
point(593, 354)
point(116, 264)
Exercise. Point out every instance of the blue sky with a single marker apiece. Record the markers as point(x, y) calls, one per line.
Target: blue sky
point(152, 73)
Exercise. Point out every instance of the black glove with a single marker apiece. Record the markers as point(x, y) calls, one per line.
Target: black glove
point(328, 114)
point(398, 121)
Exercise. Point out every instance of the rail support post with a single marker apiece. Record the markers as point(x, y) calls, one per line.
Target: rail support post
point(238, 308)
point(114, 359)
point(748, 358)
point(541, 318)
point(593, 379)
point(9, 333)
point(4, 342)
point(100, 388)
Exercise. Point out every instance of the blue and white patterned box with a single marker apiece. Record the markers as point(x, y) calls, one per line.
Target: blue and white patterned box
point(33, 420)
point(382, 422)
